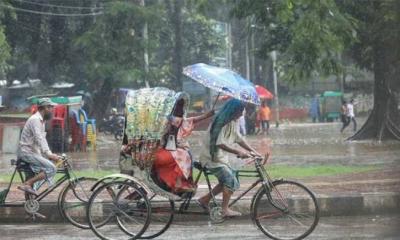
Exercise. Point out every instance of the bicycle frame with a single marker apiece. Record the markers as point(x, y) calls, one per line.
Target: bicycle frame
point(42, 194)
point(259, 173)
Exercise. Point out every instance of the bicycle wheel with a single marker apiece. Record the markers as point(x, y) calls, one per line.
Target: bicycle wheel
point(162, 215)
point(289, 211)
point(73, 200)
point(110, 203)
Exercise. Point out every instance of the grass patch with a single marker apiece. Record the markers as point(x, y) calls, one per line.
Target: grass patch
point(315, 171)
point(276, 171)
point(279, 171)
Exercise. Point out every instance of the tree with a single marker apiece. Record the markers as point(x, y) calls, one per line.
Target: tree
point(311, 35)
point(378, 50)
point(4, 46)
point(113, 49)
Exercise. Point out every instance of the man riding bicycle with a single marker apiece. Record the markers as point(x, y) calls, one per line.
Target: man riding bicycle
point(34, 149)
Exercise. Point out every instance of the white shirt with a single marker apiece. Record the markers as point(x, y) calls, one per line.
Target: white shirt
point(228, 136)
point(33, 136)
point(350, 110)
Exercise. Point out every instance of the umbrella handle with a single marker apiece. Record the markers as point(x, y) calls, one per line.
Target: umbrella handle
point(215, 102)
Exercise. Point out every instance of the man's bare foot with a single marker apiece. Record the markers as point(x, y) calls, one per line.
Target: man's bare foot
point(28, 189)
point(231, 213)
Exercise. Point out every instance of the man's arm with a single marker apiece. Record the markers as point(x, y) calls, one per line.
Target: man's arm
point(234, 151)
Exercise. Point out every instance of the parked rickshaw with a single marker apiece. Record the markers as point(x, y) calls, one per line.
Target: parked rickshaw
point(331, 102)
point(136, 206)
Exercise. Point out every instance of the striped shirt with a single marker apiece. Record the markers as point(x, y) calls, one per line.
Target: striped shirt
point(33, 136)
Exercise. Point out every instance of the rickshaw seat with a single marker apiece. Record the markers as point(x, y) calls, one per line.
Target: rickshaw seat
point(199, 167)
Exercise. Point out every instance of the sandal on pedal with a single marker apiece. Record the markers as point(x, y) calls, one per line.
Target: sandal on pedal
point(203, 206)
point(27, 189)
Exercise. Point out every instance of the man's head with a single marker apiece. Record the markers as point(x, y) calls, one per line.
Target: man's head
point(45, 107)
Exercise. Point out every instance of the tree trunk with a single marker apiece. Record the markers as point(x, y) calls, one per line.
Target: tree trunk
point(384, 120)
point(101, 100)
point(177, 54)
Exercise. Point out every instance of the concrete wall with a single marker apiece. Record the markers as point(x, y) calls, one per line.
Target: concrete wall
point(9, 136)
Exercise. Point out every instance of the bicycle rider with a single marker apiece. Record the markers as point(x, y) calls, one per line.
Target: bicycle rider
point(222, 134)
point(34, 149)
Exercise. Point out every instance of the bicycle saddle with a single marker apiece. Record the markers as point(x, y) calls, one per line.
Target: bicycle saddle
point(22, 165)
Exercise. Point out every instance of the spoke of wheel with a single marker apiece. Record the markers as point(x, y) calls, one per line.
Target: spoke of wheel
point(297, 221)
point(84, 192)
point(125, 214)
point(270, 215)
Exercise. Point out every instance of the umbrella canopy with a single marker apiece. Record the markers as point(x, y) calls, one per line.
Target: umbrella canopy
point(263, 92)
point(224, 81)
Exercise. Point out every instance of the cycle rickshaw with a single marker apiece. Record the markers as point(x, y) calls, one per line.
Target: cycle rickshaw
point(137, 207)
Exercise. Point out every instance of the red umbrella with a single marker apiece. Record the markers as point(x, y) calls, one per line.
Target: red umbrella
point(263, 92)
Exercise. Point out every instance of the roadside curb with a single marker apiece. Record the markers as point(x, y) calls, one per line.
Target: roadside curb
point(330, 205)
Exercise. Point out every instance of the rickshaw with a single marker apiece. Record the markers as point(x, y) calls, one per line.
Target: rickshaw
point(331, 103)
point(124, 206)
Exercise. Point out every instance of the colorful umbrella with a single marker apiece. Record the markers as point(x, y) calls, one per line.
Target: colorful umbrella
point(263, 92)
point(223, 81)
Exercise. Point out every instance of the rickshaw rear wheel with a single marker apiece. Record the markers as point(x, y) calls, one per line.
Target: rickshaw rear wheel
point(111, 203)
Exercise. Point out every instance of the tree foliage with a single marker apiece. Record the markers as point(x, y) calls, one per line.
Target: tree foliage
point(308, 35)
point(105, 50)
point(311, 35)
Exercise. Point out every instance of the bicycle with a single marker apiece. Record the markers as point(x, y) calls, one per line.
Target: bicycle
point(277, 207)
point(72, 199)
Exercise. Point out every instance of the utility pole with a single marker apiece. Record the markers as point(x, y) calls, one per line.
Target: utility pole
point(247, 59)
point(253, 58)
point(275, 77)
point(229, 44)
point(146, 54)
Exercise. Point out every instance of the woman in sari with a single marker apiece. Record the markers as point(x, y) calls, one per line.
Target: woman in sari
point(174, 167)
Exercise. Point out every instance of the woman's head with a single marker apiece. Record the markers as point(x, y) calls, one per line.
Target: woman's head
point(232, 110)
point(179, 109)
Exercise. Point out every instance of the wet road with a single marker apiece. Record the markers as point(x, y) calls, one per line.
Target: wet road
point(291, 144)
point(363, 227)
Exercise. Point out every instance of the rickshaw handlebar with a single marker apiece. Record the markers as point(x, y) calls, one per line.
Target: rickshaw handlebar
point(257, 159)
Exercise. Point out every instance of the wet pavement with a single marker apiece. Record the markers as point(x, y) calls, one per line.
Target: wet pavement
point(291, 144)
point(376, 227)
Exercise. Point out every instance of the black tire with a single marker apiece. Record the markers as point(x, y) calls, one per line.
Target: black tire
point(109, 203)
point(289, 211)
point(162, 215)
point(73, 200)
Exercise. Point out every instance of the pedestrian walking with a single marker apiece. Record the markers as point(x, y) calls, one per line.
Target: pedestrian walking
point(314, 111)
point(343, 115)
point(350, 114)
point(264, 115)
